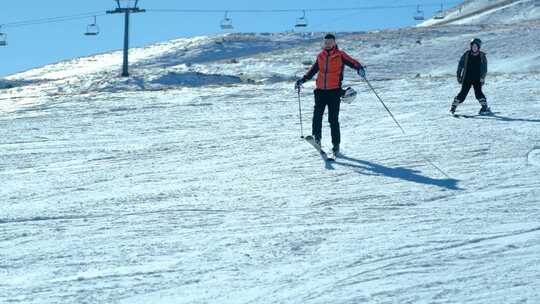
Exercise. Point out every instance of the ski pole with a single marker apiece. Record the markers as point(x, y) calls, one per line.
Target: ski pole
point(402, 130)
point(300, 114)
point(384, 105)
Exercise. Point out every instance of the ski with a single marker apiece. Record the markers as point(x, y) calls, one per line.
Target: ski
point(332, 157)
point(475, 116)
point(311, 140)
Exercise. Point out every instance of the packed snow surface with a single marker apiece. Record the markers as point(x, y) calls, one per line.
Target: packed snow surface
point(188, 182)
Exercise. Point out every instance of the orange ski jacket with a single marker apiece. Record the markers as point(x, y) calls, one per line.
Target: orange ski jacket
point(330, 65)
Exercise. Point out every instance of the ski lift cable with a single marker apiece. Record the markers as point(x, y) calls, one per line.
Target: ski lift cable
point(30, 22)
point(50, 22)
point(59, 19)
point(291, 10)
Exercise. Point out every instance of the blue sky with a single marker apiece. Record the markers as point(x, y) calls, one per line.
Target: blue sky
point(37, 45)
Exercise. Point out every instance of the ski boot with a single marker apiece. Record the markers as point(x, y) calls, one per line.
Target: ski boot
point(317, 141)
point(454, 106)
point(484, 110)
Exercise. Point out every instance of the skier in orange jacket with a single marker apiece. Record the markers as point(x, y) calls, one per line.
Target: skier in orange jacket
point(330, 64)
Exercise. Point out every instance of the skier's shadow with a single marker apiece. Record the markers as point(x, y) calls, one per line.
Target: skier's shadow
point(369, 168)
point(503, 118)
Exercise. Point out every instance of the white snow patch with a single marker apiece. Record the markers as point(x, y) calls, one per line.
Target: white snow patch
point(490, 12)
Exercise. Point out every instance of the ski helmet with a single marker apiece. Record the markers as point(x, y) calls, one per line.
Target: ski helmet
point(330, 36)
point(476, 41)
point(349, 95)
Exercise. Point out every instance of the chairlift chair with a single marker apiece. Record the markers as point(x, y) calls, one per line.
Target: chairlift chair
point(419, 14)
point(226, 23)
point(302, 21)
point(3, 38)
point(92, 29)
point(440, 14)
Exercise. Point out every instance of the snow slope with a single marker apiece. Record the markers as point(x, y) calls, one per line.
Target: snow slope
point(161, 65)
point(490, 12)
point(188, 182)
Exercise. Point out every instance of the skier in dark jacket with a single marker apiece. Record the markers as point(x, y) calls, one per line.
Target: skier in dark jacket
point(330, 64)
point(472, 70)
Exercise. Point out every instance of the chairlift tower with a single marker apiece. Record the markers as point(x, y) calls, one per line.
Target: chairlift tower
point(126, 7)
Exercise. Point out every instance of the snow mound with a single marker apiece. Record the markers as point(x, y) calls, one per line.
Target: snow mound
point(190, 62)
point(490, 12)
point(194, 79)
point(225, 47)
point(182, 52)
point(10, 84)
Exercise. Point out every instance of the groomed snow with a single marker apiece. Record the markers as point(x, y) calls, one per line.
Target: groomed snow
point(189, 183)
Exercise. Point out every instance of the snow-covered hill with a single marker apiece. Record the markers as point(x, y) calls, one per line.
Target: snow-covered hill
point(490, 12)
point(189, 183)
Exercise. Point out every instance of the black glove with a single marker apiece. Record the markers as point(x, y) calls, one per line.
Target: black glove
point(361, 72)
point(460, 80)
point(482, 81)
point(299, 83)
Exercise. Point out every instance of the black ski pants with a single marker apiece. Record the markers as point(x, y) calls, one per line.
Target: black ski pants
point(466, 87)
point(332, 99)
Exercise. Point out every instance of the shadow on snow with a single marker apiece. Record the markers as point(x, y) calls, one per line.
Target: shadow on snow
point(369, 168)
point(500, 118)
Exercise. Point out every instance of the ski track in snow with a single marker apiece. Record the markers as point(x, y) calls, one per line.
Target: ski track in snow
point(533, 156)
point(208, 194)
